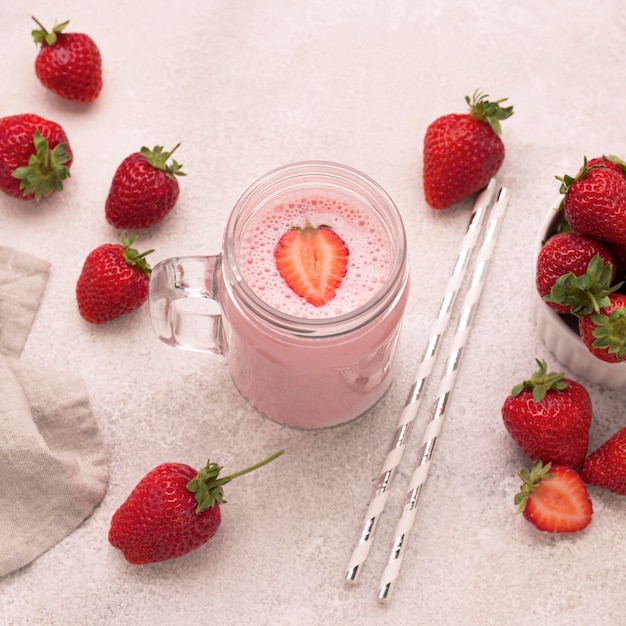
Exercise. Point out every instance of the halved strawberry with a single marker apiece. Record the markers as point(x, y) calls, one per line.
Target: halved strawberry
point(313, 262)
point(554, 498)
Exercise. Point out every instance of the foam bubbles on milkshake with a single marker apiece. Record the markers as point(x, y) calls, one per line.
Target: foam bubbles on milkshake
point(355, 222)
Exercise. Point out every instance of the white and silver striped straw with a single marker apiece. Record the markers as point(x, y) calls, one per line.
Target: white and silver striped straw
point(394, 455)
point(445, 388)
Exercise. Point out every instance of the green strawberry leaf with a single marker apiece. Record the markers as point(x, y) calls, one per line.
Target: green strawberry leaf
point(567, 181)
point(616, 160)
point(133, 257)
point(486, 111)
point(610, 332)
point(158, 159)
point(41, 35)
point(588, 293)
point(46, 169)
point(530, 480)
point(541, 382)
point(564, 226)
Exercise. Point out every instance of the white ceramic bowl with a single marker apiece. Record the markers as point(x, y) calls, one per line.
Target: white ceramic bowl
point(564, 341)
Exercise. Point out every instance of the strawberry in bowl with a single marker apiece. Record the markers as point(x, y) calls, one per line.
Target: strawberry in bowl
point(580, 306)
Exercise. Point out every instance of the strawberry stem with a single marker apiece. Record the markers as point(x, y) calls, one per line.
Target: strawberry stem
point(133, 257)
point(158, 159)
point(41, 35)
point(490, 112)
point(207, 487)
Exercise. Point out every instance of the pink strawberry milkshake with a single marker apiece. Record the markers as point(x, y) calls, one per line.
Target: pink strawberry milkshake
point(360, 229)
point(298, 364)
point(317, 380)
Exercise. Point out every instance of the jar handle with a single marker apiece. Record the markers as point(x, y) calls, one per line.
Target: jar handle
point(183, 305)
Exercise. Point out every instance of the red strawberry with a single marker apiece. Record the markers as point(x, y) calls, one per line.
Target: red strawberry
point(570, 253)
point(312, 261)
point(619, 254)
point(604, 333)
point(606, 467)
point(114, 281)
point(35, 156)
point(549, 417)
point(595, 202)
point(610, 161)
point(173, 510)
point(69, 64)
point(554, 498)
point(144, 189)
point(463, 151)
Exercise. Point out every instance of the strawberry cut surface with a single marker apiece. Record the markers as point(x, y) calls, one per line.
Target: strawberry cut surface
point(313, 262)
point(554, 499)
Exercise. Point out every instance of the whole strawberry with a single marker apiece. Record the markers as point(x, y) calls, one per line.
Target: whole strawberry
point(69, 64)
point(567, 256)
point(610, 161)
point(144, 189)
point(463, 151)
point(113, 281)
point(549, 417)
point(619, 254)
point(604, 332)
point(585, 294)
point(595, 201)
point(35, 156)
point(554, 498)
point(606, 466)
point(173, 510)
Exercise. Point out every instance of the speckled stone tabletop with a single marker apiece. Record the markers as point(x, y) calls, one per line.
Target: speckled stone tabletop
point(248, 86)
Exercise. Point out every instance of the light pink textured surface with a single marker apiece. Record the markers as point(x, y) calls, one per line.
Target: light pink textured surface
point(248, 86)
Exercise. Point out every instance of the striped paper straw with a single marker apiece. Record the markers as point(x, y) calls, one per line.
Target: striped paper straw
point(481, 207)
point(446, 386)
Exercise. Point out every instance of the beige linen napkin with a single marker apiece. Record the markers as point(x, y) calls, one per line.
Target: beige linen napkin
point(53, 465)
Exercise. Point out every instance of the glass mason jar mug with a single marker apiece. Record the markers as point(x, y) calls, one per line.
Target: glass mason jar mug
point(300, 364)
